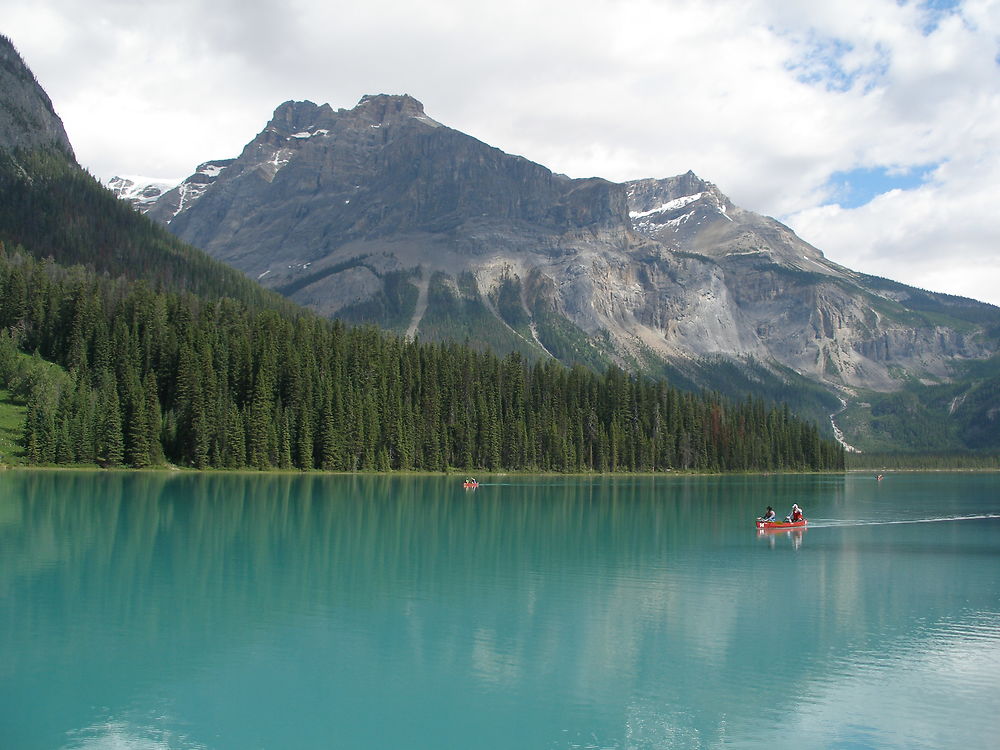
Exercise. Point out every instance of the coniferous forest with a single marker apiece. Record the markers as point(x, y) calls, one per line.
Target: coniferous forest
point(121, 374)
point(130, 348)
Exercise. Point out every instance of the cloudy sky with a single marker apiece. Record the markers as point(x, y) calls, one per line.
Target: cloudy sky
point(871, 127)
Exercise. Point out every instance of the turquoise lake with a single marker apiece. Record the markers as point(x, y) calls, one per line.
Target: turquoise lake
point(158, 610)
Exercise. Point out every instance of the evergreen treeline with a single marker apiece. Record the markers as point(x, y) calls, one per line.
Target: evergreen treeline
point(922, 461)
point(148, 376)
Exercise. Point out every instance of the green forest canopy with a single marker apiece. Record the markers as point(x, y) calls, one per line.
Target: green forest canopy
point(146, 376)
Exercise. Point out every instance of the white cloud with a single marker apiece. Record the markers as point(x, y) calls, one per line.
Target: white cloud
point(941, 236)
point(766, 98)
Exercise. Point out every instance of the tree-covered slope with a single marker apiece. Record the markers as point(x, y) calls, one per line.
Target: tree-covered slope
point(955, 417)
point(146, 376)
point(52, 208)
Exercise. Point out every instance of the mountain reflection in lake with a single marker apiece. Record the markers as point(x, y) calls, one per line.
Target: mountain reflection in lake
point(245, 610)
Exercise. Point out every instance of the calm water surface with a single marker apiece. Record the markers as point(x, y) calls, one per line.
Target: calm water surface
point(159, 611)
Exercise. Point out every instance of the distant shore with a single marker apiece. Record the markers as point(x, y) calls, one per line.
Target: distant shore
point(458, 473)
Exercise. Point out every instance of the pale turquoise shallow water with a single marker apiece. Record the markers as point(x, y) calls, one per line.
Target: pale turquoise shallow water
point(161, 611)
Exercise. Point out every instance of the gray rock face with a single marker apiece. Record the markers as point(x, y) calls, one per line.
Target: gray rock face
point(315, 180)
point(171, 200)
point(27, 119)
point(344, 211)
point(808, 313)
point(691, 214)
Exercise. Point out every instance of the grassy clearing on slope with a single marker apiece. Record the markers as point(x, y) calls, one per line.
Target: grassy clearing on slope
point(11, 427)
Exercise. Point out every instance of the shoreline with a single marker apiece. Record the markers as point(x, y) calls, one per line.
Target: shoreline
point(177, 470)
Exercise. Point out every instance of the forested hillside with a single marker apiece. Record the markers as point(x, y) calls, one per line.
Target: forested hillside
point(147, 376)
point(54, 209)
point(945, 418)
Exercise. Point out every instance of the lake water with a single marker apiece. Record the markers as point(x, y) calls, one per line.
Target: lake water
point(277, 611)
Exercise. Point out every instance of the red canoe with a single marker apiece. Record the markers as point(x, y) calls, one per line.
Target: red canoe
point(779, 525)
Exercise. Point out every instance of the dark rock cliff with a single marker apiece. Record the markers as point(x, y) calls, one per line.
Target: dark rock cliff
point(27, 117)
point(316, 179)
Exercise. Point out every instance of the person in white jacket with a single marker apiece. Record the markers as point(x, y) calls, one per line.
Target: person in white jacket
point(795, 515)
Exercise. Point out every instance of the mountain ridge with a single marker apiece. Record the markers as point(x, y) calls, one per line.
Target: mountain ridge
point(385, 181)
point(381, 214)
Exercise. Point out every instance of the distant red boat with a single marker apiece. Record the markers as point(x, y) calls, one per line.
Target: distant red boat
point(471, 484)
point(779, 525)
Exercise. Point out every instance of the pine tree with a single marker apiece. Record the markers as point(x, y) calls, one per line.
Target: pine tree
point(153, 419)
point(110, 443)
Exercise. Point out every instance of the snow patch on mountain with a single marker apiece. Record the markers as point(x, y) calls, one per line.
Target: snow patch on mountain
point(305, 134)
point(280, 159)
point(668, 206)
point(140, 191)
point(175, 195)
point(189, 193)
point(210, 170)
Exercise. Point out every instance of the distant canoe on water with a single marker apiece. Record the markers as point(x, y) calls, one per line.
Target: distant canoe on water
point(779, 525)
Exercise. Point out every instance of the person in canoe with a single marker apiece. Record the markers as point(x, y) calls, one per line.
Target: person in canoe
point(769, 515)
point(795, 515)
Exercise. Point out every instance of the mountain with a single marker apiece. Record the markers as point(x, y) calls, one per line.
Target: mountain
point(141, 192)
point(169, 196)
point(52, 208)
point(838, 326)
point(28, 121)
point(120, 345)
point(381, 214)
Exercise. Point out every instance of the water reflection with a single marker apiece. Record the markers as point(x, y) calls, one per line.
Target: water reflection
point(634, 610)
point(792, 536)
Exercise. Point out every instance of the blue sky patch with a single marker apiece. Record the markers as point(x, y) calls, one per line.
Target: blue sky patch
point(935, 10)
point(856, 187)
point(822, 63)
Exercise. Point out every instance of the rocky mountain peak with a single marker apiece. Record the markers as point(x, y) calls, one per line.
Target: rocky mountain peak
point(300, 121)
point(293, 117)
point(688, 213)
point(141, 192)
point(385, 109)
point(164, 199)
point(649, 196)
